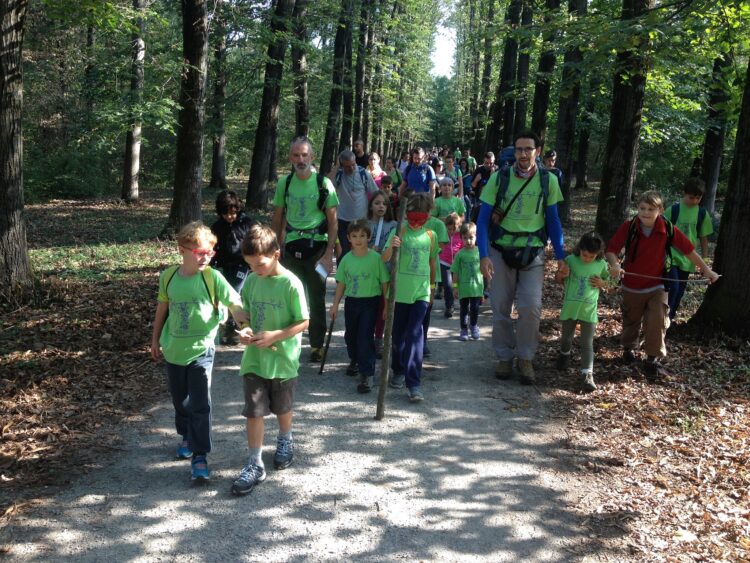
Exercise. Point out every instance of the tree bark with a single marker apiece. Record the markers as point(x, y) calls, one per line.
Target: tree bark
point(584, 136)
point(546, 67)
point(367, 93)
point(268, 119)
point(726, 304)
point(132, 163)
point(347, 114)
point(713, 146)
point(359, 79)
point(567, 113)
point(299, 70)
point(15, 272)
point(621, 156)
point(219, 156)
point(473, 62)
point(90, 73)
point(522, 76)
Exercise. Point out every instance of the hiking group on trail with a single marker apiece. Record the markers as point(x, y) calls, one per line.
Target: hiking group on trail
point(471, 233)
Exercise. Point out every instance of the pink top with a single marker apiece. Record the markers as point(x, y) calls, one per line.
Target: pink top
point(450, 250)
point(377, 176)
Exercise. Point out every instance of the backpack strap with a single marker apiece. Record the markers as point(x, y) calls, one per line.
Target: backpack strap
point(322, 198)
point(209, 281)
point(674, 213)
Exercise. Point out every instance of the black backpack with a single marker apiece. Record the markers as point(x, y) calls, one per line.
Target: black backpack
point(633, 238)
point(322, 228)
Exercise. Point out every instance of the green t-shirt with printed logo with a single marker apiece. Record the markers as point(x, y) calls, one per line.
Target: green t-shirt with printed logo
point(439, 228)
point(687, 222)
point(363, 276)
point(444, 206)
point(274, 303)
point(418, 247)
point(190, 328)
point(526, 215)
point(581, 298)
point(466, 267)
point(302, 205)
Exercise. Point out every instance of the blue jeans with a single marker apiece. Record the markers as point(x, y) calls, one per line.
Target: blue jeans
point(360, 314)
point(445, 272)
point(408, 346)
point(676, 289)
point(190, 388)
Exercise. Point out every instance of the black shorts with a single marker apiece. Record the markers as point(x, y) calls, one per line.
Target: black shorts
point(265, 396)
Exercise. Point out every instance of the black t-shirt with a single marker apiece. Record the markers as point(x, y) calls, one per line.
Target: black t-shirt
point(363, 160)
point(484, 172)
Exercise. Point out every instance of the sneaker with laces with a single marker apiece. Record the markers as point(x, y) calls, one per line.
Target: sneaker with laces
point(464, 335)
point(588, 381)
point(365, 384)
point(284, 453)
point(475, 332)
point(526, 367)
point(353, 368)
point(504, 369)
point(628, 356)
point(563, 361)
point(449, 313)
point(183, 450)
point(250, 476)
point(316, 355)
point(415, 394)
point(199, 469)
point(654, 370)
point(397, 381)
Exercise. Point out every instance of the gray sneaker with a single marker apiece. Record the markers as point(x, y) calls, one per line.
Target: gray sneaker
point(415, 394)
point(365, 384)
point(250, 476)
point(504, 369)
point(284, 453)
point(397, 381)
point(588, 382)
point(526, 367)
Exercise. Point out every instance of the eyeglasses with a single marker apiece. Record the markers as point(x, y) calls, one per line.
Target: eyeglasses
point(201, 253)
point(525, 150)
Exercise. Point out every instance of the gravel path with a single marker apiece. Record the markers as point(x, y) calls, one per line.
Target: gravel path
point(474, 473)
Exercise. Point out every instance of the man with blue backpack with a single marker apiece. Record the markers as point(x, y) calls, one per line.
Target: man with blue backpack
point(518, 214)
point(353, 184)
point(419, 176)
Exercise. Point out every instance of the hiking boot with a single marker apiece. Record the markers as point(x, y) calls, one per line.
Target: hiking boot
point(464, 336)
point(397, 381)
point(563, 361)
point(526, 367)
point(199, 469)
point(353, 368)
point(628, 356)
point(475, 332)
point(284, 453)
point(250, 476)
point(379, 348)
point(316, 355)
point(415, 394)
point(183, 450)
point(365, 384)
point(588, 382)
point(504, 369)
point(654, 370)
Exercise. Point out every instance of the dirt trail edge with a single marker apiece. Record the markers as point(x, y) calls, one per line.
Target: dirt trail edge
point(477, 472)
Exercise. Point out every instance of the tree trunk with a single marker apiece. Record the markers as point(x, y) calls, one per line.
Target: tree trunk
point(544, 73)
point(334, 106)
point(500, 133)
point(713, 147)
point(268, 119)
point(473, 62)
point(621, 156)
point(359, 79)
point(299, 70)
point(584, 136)
point(132, 163)
point(367, 93)
point(15, 272)
point(90, 73)
point(347, 114)
point(522, 76)
point(219, 157)
point(726, 304)
point(567, 114)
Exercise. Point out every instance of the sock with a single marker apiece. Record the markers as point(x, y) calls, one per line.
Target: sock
point(285, 435)
point(254, 456)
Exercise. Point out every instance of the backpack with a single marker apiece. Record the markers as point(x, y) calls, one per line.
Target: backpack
point(362, 175)
point(675, 213)
point(634, 238)
point(209, 281)
point(506, 157)
point(322, 228)
point(502, 181)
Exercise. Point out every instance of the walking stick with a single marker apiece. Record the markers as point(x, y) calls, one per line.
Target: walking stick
point(389, 308)
point(325, 348)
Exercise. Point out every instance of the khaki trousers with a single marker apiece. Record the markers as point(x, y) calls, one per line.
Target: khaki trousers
point(651, 310)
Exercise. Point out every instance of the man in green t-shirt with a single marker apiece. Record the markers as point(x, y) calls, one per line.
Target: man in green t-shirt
point(305, 219)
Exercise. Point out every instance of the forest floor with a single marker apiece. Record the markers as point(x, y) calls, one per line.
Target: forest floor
point(482, 470)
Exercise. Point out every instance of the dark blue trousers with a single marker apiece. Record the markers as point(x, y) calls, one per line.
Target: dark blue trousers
point(445, 272)
point(426, 324)
point(677, 287)
point(408, 344)
point(469, 311)
point(360, 314)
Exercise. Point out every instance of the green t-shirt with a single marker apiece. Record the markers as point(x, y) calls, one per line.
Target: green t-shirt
point(457, 155)
point(417, 249)
point(687, 222)
point(466, 267)
point(581, 298)
point(302, 212)
point(444, 206)
point(363, 276)
point(526, 215)
point(274, 303)
point(395, 175)
point(472, 162)
point(190, 328)
point(439, 228)
point(455, 173)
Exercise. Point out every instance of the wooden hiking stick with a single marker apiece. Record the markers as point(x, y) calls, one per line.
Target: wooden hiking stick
point(390, 306)
point(325, 348)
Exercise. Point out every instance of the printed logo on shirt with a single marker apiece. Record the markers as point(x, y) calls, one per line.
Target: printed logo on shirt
point(353, 281)
point(258, 317)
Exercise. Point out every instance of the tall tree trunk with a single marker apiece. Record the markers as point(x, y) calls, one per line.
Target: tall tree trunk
point(334, 106)
point(90, 73)
point(584, 136)
point(15, 272)
point(567, 113)
point(500, 133)
point(522, 76)
point(188, 178)
point(219, 157)
point(473, 58)
point(299, 70)
point(726, 304)
point(621, 157)
point(268, 119)
point(367, 93)
point(544, 72)
point(713, 147)
point(347, 113)
point(132, 162)
point(359, 79)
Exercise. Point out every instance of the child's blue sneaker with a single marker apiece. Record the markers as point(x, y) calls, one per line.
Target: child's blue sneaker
point(475, 332)
point(250, 476)
point(464, 336)
point(284, 453)
point(184, 451)
point(397, 381)
point(199, 468)
point(415, 394)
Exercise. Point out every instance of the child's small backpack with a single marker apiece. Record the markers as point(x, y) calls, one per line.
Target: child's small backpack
point(209, 281)
point(633, 238)
point(674, 213)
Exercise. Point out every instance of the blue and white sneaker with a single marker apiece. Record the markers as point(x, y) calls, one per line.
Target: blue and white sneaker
point(183, 450)
point(475, 332)
point(415, 394)
point(397, 381)
point(199, 469)
point(250, 476)
point(284, 453)
point(464, 335)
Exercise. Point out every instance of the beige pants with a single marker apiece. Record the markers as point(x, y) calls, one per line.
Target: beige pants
point(651, 310)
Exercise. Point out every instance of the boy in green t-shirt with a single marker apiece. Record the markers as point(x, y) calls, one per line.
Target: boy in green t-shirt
point(187, 319)
point(447, 203)
point(363, 278)
point(585, 277)
point(468, 282)
point(275, 301)
point(686, 216)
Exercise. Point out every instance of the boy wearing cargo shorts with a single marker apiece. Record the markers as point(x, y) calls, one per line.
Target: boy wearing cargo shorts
point(274, 299)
